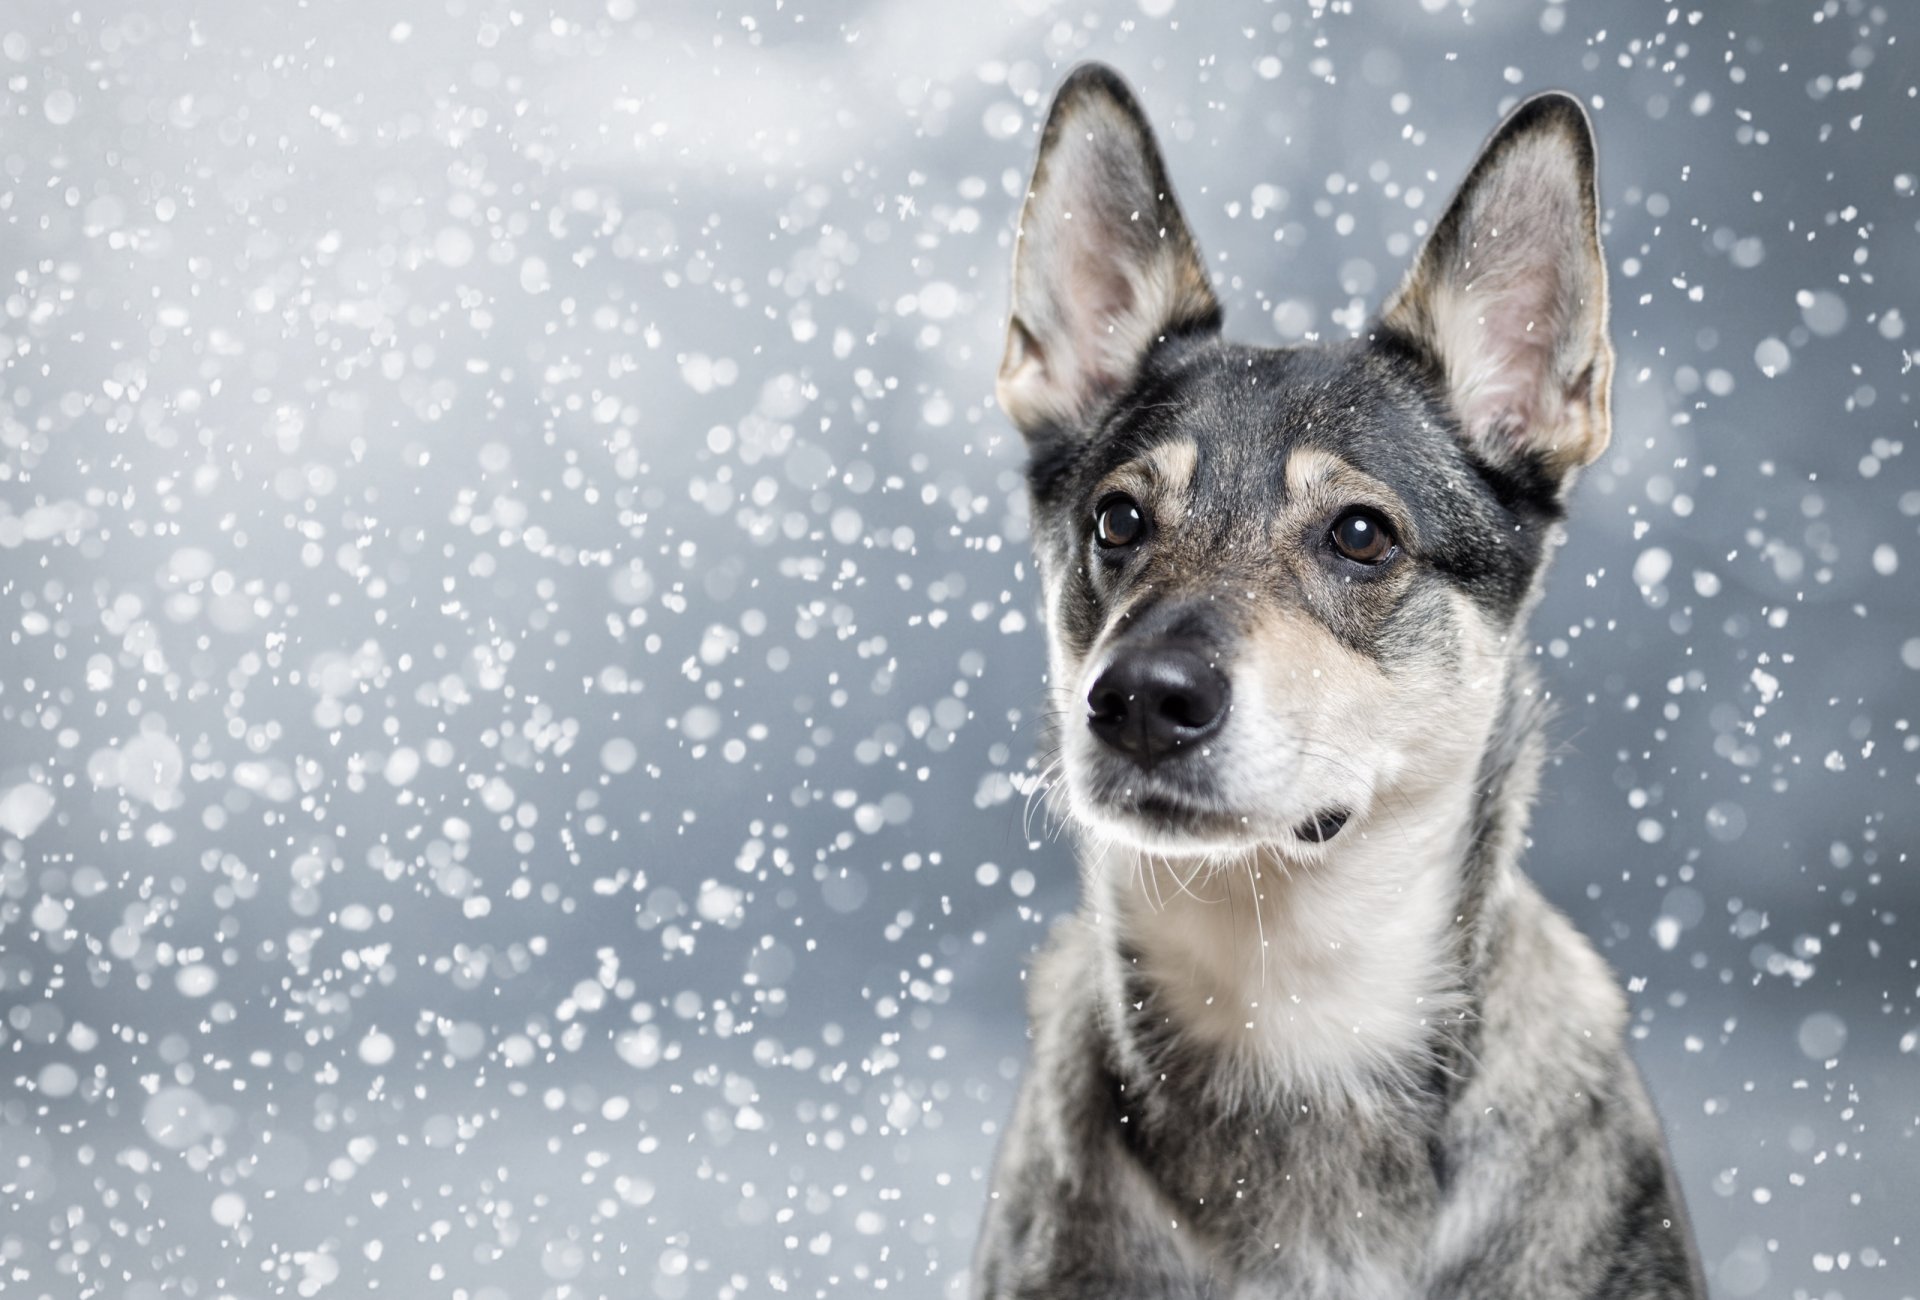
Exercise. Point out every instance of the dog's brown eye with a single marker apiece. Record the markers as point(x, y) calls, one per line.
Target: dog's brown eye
point(1119, 521)
point(1362, 536)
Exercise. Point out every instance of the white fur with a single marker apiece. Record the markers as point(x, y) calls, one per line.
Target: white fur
point(1321, 974)
point(1318, 965)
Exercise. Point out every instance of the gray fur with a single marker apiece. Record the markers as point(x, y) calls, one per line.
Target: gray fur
point(1511, 1149)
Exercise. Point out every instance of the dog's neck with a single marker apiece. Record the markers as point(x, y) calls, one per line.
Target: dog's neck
point(1333, 975)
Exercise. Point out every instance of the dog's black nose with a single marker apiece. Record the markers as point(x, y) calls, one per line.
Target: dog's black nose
point(1155, 699)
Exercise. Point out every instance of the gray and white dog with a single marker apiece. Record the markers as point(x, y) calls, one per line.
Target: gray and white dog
point(1312, 1034)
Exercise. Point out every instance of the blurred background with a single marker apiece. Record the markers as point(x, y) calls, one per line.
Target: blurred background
point(520, 651)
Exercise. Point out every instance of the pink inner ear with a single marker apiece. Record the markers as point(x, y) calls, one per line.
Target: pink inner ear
point(1504, 374)
point(1102, 301)
point(1517, 312)
point(1105, 265)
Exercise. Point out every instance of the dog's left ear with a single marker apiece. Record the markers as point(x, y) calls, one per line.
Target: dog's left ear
point(1103, 267)
point(1509, 295)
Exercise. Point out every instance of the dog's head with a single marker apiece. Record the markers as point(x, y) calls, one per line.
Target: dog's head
point(1282, 583)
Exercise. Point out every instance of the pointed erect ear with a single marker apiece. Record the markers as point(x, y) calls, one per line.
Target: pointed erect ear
point(1103, 265)
point(1509, 295)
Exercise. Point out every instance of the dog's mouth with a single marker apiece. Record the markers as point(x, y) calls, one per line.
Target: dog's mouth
point(1169, 816)
point(1164, 818)
point(1170, 810)
point(1179, 810)
point(1322, 826)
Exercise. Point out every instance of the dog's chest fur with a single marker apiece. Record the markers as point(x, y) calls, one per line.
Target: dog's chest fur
point(1271, 1101)
point(1239, 1186)
point(1290, 1196)
point(1321, 976)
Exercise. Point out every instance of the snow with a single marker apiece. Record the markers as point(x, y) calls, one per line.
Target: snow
point(24, 808)
point(522, 665)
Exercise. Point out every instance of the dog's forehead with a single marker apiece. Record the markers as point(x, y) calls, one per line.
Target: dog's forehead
point(1238, 418)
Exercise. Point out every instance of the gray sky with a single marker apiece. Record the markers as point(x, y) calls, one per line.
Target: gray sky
point(520, 642)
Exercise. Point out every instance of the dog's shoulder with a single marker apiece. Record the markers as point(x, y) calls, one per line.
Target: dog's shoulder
point(1062, 970)
point(1554, 1128)
point(1070, 1097)
point(1070, 1212)
point(1549, 996)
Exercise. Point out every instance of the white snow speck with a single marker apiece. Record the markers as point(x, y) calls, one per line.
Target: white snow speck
point(453, 247)
point(50, 915)
point(149, 767)
point(376, 1048)
point(23, 808)
point(177, 1118)
point(58, 1079)
point(1822, 1035)
point(619, 755)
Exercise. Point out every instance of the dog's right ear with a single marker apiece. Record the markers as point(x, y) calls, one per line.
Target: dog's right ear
point(1103, 265)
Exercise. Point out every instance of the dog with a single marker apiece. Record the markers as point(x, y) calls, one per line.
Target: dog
point(1312, 1034)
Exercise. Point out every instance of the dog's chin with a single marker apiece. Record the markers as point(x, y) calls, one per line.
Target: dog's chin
point(1146, 814)
point(1167, 826)
point(1171, 823)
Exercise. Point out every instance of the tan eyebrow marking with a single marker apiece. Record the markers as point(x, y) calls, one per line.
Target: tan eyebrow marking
point(1323, 479)
point(1308, 468)
point(1174, 463)
point(1161, 479)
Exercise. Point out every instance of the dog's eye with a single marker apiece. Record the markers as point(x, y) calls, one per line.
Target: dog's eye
point(1119, 521)
point(1363, 537)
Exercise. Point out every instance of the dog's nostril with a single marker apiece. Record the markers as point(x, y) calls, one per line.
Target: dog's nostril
point(1184, 711)
point(1192, 697)
point(1108, 705)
